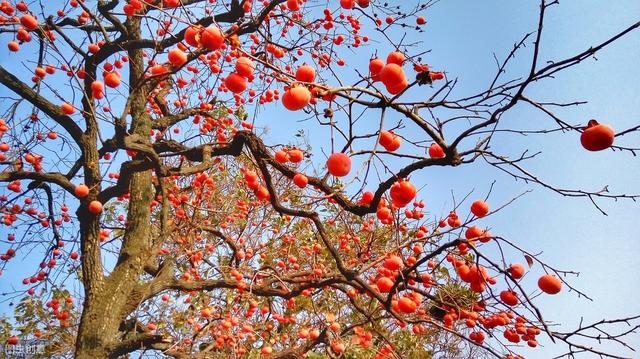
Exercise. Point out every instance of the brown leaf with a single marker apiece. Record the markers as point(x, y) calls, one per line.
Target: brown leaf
point(529, 260)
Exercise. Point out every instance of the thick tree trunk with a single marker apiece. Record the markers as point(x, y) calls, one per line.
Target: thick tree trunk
point(107, 305)
point(93, 334)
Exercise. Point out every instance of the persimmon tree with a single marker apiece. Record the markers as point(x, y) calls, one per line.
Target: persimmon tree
point(137, 165)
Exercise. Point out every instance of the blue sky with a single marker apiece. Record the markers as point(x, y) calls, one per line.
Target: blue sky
point(571, 233)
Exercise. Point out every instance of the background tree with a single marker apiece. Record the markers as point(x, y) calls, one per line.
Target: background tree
point(195, 236)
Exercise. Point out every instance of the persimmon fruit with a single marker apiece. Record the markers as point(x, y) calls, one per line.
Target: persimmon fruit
point(244, 67)
point(281, 156)
point(392, 74)
point(236, 83)
point(305, 73)
point(81, 191)
point(597, 137)
point(390, 141)
point(516, 270)
point(550, 284)
point(192, 35)
point(296, 98)
point(479, 208)
point(407, 305)
point(296, 156)
point(402, 193)
point(211, 38)
point(177, 57)
point(375, 67)
point(300, 180)
point(67, 108)
point(29, 22)
point(509, 297)
point(435, 151)
point(95, 207)
point(339, 164)
point(293, 5)
point(384, 284)
point(112, 79)
point(396, 57)
point(393, 263)
point(13, 46)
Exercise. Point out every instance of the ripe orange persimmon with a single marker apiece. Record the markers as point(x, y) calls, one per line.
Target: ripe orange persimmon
point(347, 4)
point(112, 79)
point(473, 233)
point(402, 193)
point(170, 3)
point(262, 193)
point(23, 35)
point(293, 5)
point(81, 191)
point(281, 156)
point(97, 89)
point(396, 57)
point(306, 73)
point(177, 57)
point(296, 98)
point(395, 144)
point(250, 176)
point(93, 48)
point(296, 156)
point(435, 151)
point(314, 334)
point(13, 46)
point(389, 141)
point(392, 263)
point(13, 340)
point(303, 333)
point(192, 35)
point(509, 297)
point(375, 67)
point(244, 67)
point(67, 108)
point(407, 305)
point(339, 164)
point(40, 72)
point(597, 137)
point(300, 180)
point(516, 270)
point(384, 213)
point(338, 347)
point(366, 198)
point(384, 284)
point(29, 22)
point(385, 138)
point(95, 207)
point(236, 83)
point(392, 74)
point(398, 87)
point(158, 69)
point(479, 208)
point(550, 284)
point(212, 38)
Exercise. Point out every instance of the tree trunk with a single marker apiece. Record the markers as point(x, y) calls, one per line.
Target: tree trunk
point(107, 305)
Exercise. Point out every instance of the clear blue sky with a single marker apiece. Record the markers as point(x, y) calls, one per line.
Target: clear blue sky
point(462, 35)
